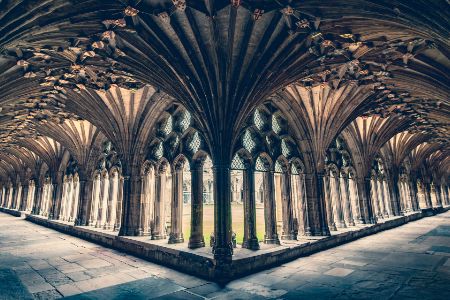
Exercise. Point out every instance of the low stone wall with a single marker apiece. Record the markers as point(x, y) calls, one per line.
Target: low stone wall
point(207, 267)
point(12, 212)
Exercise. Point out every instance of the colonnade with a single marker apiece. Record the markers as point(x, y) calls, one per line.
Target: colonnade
point(283, 197)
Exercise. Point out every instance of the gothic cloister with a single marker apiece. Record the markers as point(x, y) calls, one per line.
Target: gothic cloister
point(222, 138)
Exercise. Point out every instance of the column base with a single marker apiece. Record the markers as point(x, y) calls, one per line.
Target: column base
point(176, 238)
point(196, 242)
point(341, 225)
point(224, 253)
point(351, 223)
point(128, 231)
point(332, 227)
point(158, 236)
point(273, 240)
point(251, 244)
point(289, 237)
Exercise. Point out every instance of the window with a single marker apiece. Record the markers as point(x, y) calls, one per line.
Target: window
point(248, 142)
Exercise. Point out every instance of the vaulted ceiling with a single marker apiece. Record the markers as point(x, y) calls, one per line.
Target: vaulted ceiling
point(84, 59)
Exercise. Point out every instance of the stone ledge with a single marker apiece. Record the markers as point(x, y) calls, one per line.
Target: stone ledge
point(204, 266)
point(12, 212)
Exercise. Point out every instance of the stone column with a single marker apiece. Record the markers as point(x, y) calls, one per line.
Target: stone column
point(346, 200)
point(37, 191)
point(112, 207)
point(438, 194)
point(427, 193)
point(371, 217)
point(119, 209)
point(287, 208)
point(55, 201)
point(250, 238)
point(270, 214)
point(131, 196)
point(69, 199)
point(84, 202)
point(95, 201)
point(354, 196)
point(381, 198)
point(196, 240)
point(176, 220)
point(23, 201)
point(374, 197)
point(104, 201)
point(159, 228)
point(144, 223)
point(336, 199)
point(387, 198)
point(303, 205)
point(328, 202)
point(223, 247)
point(74, 200)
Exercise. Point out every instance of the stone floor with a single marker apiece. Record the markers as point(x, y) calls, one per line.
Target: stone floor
point(408, 262)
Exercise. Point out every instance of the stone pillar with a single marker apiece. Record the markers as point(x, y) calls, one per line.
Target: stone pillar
point(131, 196)
point(56, 195)
point(84, 202)
point(95, 201)
point(354, 196)
point(336, 200)
point(250, 238)
point(413, 193)
point(374, 196)
point(159, 227)
point(112, 207)
point(23, 200)
point(329, 203)
point(270, 213)
point(196, 240)
point(62, 207)
point(286, 203)
point(348, 216)
point(38, 192)
point(104, 201)
point(74, 200)
point(223, 247)
point(68, 199)
point(118, 221)
point(371, 217)
point(381, 198)
point(303, 204)
point(176, 220)
point(144, 209)
point(387, 198)
point(427, 193)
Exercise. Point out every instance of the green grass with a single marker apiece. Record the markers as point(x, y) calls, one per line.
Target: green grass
point(237, 215)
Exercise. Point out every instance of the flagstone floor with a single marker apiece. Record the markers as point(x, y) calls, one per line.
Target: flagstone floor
point(408, 262)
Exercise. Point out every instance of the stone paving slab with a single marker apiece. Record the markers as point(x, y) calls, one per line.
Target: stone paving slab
point(395, 264)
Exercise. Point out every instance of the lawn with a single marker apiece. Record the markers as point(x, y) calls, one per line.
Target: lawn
point(237, 215)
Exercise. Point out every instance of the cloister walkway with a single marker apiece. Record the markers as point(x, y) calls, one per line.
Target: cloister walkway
point(411, 261)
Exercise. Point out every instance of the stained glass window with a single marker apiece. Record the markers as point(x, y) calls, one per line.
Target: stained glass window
point(185, 121)
point(248, 142)
point(285, 148)
point(159, 151)
point(237, 163)
point(168, 126)
point(294, 170)
point(275, 125)
point(260, 166)
point(194, 145)
point(278, 167)
point(259, 123)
